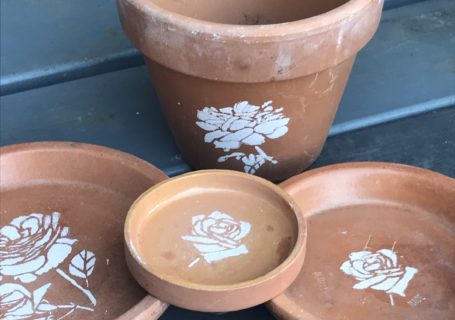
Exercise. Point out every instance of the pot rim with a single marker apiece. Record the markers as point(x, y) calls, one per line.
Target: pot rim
point(293, 256)
point(261, 33)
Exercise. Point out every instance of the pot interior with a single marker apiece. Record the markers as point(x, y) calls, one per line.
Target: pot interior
point(249, 12)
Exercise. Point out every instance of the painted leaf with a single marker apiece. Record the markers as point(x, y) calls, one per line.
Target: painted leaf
point(82, 264)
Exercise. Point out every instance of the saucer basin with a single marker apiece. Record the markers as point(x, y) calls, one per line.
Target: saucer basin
point(215, 241)
point(381, 241)
point(62, 210)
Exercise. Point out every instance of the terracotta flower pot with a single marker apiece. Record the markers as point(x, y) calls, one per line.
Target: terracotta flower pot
point(250, 85)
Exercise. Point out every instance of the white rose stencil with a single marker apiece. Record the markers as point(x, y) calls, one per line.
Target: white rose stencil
point(32, 245)
point(243, 124)
point(217, 236)
point(19, 303)
point(379, 270)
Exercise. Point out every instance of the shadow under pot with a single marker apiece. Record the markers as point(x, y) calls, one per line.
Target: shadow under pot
point(250, 85)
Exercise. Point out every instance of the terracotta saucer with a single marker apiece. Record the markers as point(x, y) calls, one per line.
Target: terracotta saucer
point(381, 244)
point(62, 210)
point(215, 240)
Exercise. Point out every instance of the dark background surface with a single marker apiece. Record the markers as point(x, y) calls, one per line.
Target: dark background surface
point(61, 79)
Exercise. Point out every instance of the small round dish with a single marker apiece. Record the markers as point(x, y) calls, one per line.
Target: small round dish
point(215, 240)
point(381, 240)
point(62, 211)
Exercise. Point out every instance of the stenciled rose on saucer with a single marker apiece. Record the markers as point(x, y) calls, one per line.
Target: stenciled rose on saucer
point(379, 271)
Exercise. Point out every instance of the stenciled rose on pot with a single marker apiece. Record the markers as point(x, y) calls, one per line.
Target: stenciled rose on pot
point(217, 236)
point(229, 128)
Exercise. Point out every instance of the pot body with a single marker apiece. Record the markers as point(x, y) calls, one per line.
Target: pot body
point(258, 99)
point(273, 129)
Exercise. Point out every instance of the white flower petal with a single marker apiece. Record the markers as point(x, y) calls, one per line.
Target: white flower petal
point(9, 261)
point(56, 254)
point(10, 232)
point(209, 137)
point(227, 110)
point(241, 107)
point(359, 255)
point(17, 222)
point(202, 240)
point(10, 290)
point(20, 268)
point(346, 267)
point(373, 267)
point(269, 127)
point(197, 218)
point(206, 223)
point(55, 219)
point(387, 284)
point(227, 145)
point(245, 228)
point(389, 254)
point(206, 126)
point(278, 133)
point(359, 265)
point(44, 238)
point(369, 282)
point(220, 215)
point(209, 247)
point(32, 224)
point(249, 160)
point(216, 256)
point(205, 115)
point(26, 277)
point(218, 230)
point(254, 140)
point(197, 228)
point(239, 124)
point(47, 222)
point(403, 283)
point(64, 232)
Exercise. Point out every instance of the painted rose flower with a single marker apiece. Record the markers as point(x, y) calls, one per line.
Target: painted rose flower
point(17, 303)
point(32, 245)
point(228, 128)
point(378, 271)
point(217, 236)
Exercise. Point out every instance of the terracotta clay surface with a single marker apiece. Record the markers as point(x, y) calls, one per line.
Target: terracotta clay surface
point(215, 241)
point(250, 85)
point(62, 210)
point(381, 244)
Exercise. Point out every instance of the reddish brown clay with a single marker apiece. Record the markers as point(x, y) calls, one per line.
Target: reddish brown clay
point(246, 84)
point(62, 210)
point(215, 241)
point(381, 241)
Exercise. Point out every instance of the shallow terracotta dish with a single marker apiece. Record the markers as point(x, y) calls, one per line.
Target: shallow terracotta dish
point(62, 210)
point(381, 244)
point(215, 241)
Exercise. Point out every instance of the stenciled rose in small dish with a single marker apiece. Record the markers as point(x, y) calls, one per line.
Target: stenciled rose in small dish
point(218, 236)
